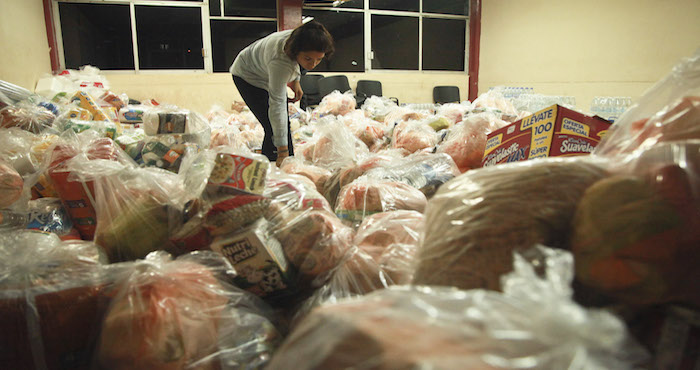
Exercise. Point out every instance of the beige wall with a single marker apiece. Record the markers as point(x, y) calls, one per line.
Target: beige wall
point(585, 48)
point(23, 46)
point(200, 91)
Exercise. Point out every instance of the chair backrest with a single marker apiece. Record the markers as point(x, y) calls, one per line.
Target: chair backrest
point(368, 88)
point(309, 84)
point(446, 94)
point(328, 84)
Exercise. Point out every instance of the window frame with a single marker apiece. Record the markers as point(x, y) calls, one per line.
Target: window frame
point(207, 40)
point(420, 15)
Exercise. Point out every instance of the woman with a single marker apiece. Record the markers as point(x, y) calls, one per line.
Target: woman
point(264, 69)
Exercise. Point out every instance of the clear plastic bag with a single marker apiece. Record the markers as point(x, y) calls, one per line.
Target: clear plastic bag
point(533, 324)
point(494, 101)
point(11, 185)
point(29, 117)
point(476, 221)
point(378, 107)
point(296, 165)
point(366, 196)
point(370, 132)
point(636, 234)
point(455, 112)
point(466, 142)
point(180, 313)
point(336, 145)
point(414, 136)
point(52, 296)
point(336, 104)
point(71, 170)
point(669, 111)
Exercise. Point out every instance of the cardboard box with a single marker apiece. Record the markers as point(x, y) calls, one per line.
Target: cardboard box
point(552, 132)
point(257, 256)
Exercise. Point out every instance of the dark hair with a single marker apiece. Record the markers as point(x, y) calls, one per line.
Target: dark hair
point(311, 36)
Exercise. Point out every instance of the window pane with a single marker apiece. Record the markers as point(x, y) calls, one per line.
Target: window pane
point(458, 7)
point(353, 4)
point(228, 38)
point(394, 42)
point(253, 8)
point(98, 35)
point(405, 5)
point(443, 44)
point(169, 37)
point(215, 8)
point(347, 29)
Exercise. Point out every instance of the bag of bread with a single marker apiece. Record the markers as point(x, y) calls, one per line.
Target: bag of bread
point(175, 314)
point(29, 117)
point(52, 300)
point(533, 324)
point(475, 222)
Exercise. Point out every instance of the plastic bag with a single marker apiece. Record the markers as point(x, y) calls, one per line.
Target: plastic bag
point(49, 215)
point(455, 112)
point(76, 193)
point(466, 142)
point(534, 324)
point(366, 196)
point(476, 221)
point(11, 185)
point(378, 107)
point(169, 314)
point(669, 111)
point(494, 101)
point(636, 234)
point(26, 116)
point(369, 132)
point(414, 136)
point(52, 296)
point(336, 145)
point(423, 171)
point(336, 104)
point(296, 165)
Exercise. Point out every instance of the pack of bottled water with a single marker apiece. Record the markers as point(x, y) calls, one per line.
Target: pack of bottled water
point(610, 107)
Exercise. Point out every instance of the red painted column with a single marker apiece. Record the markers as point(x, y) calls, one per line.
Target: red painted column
point(288, 14)
point(51, 36)
point(474, 46)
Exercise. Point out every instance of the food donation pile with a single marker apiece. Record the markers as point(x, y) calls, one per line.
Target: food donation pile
point(139, 235)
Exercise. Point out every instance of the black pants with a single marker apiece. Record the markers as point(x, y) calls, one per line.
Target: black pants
point(257, 100)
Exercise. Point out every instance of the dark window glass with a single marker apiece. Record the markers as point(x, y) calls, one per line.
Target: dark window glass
point(96, 34)
point(458, 7)
point(252, 8)
point(405, 5)
point(352, 4)
point(347, 29)
point(228, 38)
point(169, 37)
point(394, 42)
point(215, 8)
point(443, 44)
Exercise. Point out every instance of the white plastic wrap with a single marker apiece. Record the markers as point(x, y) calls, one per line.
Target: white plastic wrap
point(466, 142)
point(533, 324)
point(336, 104)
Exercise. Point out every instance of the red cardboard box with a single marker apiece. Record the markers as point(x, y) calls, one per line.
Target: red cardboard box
point(552, 132)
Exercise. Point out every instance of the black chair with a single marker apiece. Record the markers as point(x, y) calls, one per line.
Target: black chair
point(446, 94)
point(329, 84)
point(311, 97)
point(365, 89)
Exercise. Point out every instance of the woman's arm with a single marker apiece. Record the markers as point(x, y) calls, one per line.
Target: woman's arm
point(277, 89)
point(296, 87)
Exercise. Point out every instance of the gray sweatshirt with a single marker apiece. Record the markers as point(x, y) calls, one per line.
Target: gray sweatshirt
point(264, 64)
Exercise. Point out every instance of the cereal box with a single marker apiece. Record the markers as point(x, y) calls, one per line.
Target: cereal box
point(258, 259)
point(552, 132)
point(239, 172)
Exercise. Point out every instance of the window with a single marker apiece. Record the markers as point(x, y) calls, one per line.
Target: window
point(443, 44)
point(457, 7)
point(404, 5)
point(96, 34)
point(347, 29)
point(250, 8)
point(169, 37)
point(394, 42)
point(229, 37)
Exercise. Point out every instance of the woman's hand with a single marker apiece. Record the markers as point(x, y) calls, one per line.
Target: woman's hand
point(298, 92)
point(282, 153)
